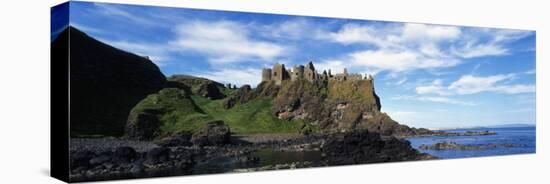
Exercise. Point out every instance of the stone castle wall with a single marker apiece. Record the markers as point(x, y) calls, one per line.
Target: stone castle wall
point(279, 73)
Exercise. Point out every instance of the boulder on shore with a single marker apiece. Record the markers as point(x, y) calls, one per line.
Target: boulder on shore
point(214, 133)
point(362, 146)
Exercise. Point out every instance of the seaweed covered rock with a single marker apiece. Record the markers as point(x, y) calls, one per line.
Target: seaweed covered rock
point(106, 82)
point(362, 146)
point(200, 86)
point(214, 133)
point(166, 108)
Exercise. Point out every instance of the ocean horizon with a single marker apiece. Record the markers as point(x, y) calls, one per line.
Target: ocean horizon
point(518, 140)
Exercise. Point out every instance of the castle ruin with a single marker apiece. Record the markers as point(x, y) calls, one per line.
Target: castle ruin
point(279, 73)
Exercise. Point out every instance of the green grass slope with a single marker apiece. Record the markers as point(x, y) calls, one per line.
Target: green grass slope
point(249, 118)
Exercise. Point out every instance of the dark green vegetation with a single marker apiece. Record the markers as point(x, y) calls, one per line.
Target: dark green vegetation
point(105, 82)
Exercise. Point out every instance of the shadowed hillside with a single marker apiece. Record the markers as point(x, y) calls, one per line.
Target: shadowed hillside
point(105, 82)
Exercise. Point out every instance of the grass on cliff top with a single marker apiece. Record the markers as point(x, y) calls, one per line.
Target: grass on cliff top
point(253, 117)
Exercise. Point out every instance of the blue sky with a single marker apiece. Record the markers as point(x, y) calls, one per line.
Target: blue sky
point(426, 75)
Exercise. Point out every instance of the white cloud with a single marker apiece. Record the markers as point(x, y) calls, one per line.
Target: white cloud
point(487, 42)
point(335, 66)
point(469, 84)
point(397, 61)
point(410, 46)
point(354, 33)
point(236, 76)
point(445, 100)
point(472, 50)
point(225, 42)
point(530, 72)
point(421, 32)
point(115, 11)
point(402, 81)
point(435, 99)
point(436, 87)
point(293, 29)
point(395, 35)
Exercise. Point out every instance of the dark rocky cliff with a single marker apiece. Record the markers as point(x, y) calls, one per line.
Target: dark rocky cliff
point(336, 106)
point(105, 83)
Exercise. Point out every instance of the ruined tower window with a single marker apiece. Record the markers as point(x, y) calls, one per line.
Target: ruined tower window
point(274, 73)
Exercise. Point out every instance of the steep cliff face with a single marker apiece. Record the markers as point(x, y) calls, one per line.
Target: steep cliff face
point(336, 106)
point(105, 82)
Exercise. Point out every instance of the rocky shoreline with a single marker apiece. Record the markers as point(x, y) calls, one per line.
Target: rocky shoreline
point(112, 158)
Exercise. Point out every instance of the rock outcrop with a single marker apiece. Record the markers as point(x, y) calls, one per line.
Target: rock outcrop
point(105, 82)
point(362, 146)
point(336, 106)
point(200, 86)
point(214, 133)
point(242, 95)
point(162, 108)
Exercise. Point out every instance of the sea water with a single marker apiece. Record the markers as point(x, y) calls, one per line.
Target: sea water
point(523, 138)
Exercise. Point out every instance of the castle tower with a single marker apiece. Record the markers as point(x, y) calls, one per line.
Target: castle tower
point(297, 72)
point(325, 75)
point(266, 74)
point(345, 72)
point(309, 72)
point(279, 73)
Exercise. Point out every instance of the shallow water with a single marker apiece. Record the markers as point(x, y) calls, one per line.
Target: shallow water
point(524, 137)
point(265, 157)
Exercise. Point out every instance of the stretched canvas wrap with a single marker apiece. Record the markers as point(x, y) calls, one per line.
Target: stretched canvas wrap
point(146, 91)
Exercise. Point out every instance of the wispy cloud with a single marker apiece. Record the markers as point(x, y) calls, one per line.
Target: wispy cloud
point(116, 11)
point(470, 84)
point(434, 99)
point(225, 42)
point(409, 46)
point(236, 76)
